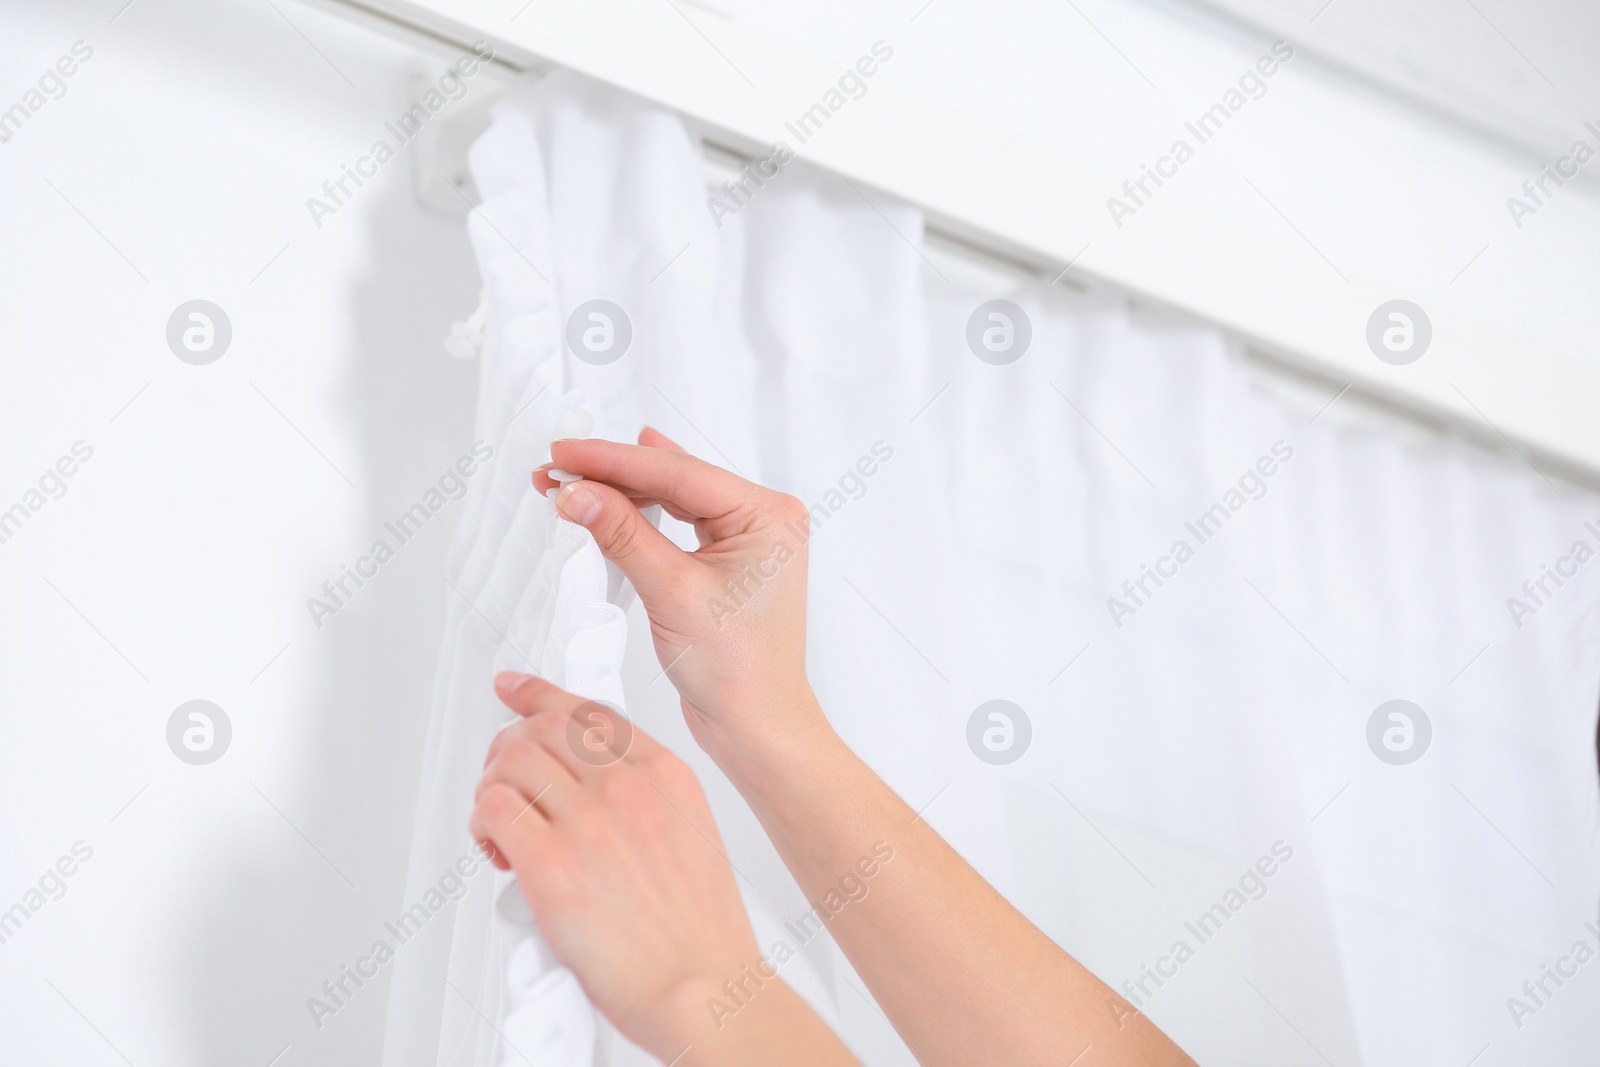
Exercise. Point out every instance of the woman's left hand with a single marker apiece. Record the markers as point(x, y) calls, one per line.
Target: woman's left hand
point(617, 853)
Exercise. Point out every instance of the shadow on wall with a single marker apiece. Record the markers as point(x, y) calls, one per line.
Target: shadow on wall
point(281, 920)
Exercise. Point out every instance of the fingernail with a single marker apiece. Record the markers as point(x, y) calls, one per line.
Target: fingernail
point(579, 502)
point(508, 682)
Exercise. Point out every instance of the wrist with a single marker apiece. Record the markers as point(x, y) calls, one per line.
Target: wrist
point(768, 734)
point(679, 1013)
point(698, 1011)
point(752, 1017)
point(680, 1019)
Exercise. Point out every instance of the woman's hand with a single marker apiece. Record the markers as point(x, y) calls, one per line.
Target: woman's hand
point(615, 849)
point(729, 619)
point(619, 857)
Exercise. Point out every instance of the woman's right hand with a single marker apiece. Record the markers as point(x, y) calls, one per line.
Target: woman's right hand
point(728, 620)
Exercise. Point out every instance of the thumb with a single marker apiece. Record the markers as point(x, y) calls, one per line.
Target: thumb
point(625, 536)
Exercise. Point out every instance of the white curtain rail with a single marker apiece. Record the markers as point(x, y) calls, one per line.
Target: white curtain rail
point(1478, 379)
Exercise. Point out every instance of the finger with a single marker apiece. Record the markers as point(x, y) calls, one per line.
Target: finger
point(650, 560)
point(651, 437)
point(581, 734)
point(532, 770)
point(700, 489)
point(499, 741)
point(528, 694)
point(543, 483)
point(525, 694)
point(503, 819)
point(491, 853)
point(546, 710)
point(589, 739)
point(542, 480)
point(640, 501)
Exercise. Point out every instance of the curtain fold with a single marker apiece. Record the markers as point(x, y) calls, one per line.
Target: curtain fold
point(988, 532)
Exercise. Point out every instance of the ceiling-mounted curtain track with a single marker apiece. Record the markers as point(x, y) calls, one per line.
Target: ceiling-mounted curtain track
point(1003, 199)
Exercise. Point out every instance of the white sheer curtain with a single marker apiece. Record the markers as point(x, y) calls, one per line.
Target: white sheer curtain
point(974, 523)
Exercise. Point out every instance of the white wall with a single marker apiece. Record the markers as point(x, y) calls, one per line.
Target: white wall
point(216, 902)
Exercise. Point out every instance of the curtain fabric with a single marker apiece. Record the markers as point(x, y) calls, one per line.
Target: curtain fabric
point(1193, 597)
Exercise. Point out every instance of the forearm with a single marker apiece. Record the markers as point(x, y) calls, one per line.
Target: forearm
point(963, 976)
point(748, 1020)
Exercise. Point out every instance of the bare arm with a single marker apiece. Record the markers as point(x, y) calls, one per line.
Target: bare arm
point(963, 976)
